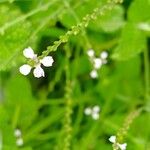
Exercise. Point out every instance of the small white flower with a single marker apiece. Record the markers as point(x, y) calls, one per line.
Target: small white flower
point(94, 112)
point(25, 69)
point(90, 53)
point(88, 111)
point(47, 61)
point(103, 55)
point(93, 74)
point(122, 146)
point(95, 116)
point(19, 142)
point(38, 72)
point(96, 109)
point(97, 63)
point(112, 139)
point(17, 133)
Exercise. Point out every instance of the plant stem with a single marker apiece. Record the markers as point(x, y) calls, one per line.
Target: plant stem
point(147, 74)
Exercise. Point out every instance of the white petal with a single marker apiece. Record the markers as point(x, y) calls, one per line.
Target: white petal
point(90, 53)
point(17, 133)
point(19, 142)
point(95, 116)
point(28, 53)
point(96, 109)
point(112, 139)
point(97, 63)
point(123, 146)
point(47, 61)
point(38, 72)
point(93, 74)
point(104, 55)
point(88, 111)
point(25, 69)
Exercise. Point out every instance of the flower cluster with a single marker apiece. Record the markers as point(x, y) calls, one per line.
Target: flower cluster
point(94, 112)
point(113, 140)
point(97, 62)
point(18, 135)
point(36, 63)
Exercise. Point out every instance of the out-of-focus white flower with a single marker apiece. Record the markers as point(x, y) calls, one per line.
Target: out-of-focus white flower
point(94, 112)
point(90, 53)
point(96, 109)
point(38, 72)
point(93, 74)
point(88, 111)
point(113, 140)
point(17, 133)
point(103, 55)
point(97, 63)
point(19, 142)
point(95, 116)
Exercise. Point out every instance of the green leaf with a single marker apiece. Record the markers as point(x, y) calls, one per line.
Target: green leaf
point(13, 38)
point(19, 101)
point(139, 11)
point(132, 42)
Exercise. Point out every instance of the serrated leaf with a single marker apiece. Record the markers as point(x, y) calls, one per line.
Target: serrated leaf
point(132, 42)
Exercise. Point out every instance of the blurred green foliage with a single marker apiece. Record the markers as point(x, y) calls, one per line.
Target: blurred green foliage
point(38, 107)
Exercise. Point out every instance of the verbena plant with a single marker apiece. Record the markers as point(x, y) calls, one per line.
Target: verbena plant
point(96, 93)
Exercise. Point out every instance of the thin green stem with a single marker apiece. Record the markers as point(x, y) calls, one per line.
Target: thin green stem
point(88, 45)
point(80, 26)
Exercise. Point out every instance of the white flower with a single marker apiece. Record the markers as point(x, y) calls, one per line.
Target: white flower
point(25, 69)
point(103, 55)
point(19, 142)
point(112, 139)
point(94, 112)
point(122, 146)
point(38, 72)
point(90, 53)
point(96, 109)
point(88, 111)
point(94, 74)
point(95, 116)
point(97, 63)
point(17, 133)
